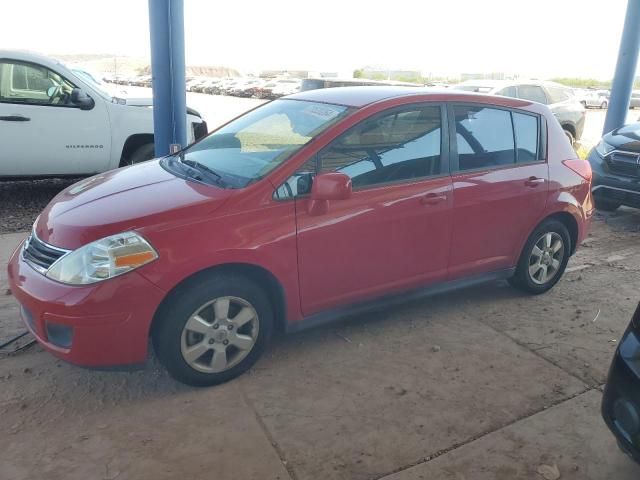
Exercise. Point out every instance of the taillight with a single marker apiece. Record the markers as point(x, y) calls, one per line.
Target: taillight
point(581, 167)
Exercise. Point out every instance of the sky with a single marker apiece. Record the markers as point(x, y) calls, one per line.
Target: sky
point(536, 38)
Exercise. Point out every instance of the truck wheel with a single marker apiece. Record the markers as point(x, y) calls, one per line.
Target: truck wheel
point(141, 154)
point(605, 204)
point(214, 330)
point(572, 139)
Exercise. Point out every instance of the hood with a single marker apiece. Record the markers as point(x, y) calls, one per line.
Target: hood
point(148, 102)
point(132, 198)
point(625, 138)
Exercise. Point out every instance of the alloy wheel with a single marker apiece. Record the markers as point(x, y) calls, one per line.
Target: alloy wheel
point(546, 258)
point(219, 334)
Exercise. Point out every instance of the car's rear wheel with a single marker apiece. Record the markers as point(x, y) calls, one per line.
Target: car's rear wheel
point(604, 105)
point(605, 204)
point(544, 258)
point(213, 330)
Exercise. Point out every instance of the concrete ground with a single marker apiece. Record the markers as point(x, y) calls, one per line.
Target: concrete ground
point(485, 383)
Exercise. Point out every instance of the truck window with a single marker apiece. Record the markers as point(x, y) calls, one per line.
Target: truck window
point(32, 84)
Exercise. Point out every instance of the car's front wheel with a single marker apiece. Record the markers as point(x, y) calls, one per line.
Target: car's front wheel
point(544, 258)
point(213, 329)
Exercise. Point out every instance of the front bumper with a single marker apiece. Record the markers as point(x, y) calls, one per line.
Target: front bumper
point(611, 186)
point(101, 325)
point(621, 399)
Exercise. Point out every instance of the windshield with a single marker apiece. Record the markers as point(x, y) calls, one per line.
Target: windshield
point(87, 77)
point(251, 146)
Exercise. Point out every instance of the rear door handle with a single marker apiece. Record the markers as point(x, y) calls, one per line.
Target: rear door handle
point(534, 181)
point(433, 198)
point(15, 118)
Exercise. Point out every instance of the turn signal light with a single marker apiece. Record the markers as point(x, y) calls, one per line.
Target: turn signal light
point(581, 167)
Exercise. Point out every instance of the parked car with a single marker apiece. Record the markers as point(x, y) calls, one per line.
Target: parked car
point(592, 98)
point(621, 399)
point(324, 203)
point(245, 88)
point(54, 122)
point(194, 82)
point(569, 112)
point(616, 169)
point(286, 87)
point(635, 99)
point(264, 90)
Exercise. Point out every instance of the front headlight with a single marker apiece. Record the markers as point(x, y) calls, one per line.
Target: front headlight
point(603, 148)
point(103, 259)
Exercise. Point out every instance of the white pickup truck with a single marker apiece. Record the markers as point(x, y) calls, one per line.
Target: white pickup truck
point(54, 122)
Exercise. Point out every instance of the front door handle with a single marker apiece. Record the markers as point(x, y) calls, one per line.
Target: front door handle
point(433, 198)
point(534, 181)
point(15, 118)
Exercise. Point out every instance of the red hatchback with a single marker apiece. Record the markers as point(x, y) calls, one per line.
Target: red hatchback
point(322, 203)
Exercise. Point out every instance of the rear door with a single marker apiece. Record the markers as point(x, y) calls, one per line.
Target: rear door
point(43, 135)
point(394, 231)
point(500, 184)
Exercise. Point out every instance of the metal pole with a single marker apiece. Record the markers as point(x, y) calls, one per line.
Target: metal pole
point(166, 28)
point(625, 69)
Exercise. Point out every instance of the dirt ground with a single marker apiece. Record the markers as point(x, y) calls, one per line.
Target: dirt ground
point(484, 383)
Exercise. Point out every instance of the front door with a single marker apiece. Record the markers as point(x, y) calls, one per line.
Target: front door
point(41, 131)
point(394, 232)
point(500, 185)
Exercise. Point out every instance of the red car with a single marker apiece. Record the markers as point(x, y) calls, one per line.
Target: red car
point(323, 203)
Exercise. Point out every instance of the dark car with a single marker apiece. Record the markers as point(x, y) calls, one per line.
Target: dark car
point(565, 106)
point(621, 400)
point(615, 162)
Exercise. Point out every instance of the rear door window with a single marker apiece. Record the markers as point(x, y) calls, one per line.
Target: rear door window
point(488, 138)
point(533, 93)
point(484, 137)
point(507, 92)
point(526, 132)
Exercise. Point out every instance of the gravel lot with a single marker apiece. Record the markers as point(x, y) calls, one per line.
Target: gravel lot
point(22, 201)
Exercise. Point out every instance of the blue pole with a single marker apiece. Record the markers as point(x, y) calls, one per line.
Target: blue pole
point(166, 28)
point(625, 69)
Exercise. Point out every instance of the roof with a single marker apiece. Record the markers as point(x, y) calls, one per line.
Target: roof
point(361, 96)
point(494, 84)
point(27, 56)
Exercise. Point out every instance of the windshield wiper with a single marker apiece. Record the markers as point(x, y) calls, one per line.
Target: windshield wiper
point(202, 170)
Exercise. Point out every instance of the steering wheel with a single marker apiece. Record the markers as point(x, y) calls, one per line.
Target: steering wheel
point(57, 89)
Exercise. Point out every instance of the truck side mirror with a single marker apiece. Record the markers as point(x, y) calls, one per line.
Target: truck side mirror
point(81, 100)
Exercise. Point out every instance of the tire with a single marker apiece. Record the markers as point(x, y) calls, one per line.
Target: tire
point(533, 283)
point(605, 204)
point(572, 139)
point(141, 154)
point(604, 105)
point(205, 297)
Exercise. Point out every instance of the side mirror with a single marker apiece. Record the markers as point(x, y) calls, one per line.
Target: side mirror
point(331, 186)
point(326, 187)
point(81, 99)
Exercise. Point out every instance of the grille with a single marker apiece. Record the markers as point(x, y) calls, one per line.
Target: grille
point(40, 255)
point(625, 164)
